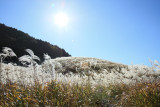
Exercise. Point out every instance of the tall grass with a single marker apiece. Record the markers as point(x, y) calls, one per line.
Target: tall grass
point(65, 95)
point(142, 95)
point(74, 83)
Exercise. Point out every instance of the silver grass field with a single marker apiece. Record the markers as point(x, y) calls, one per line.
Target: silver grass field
point(76, 82)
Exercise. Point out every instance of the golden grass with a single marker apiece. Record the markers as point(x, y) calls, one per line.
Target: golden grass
point(65, 95)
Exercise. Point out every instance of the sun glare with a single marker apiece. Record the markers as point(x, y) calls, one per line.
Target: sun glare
point(61, 19)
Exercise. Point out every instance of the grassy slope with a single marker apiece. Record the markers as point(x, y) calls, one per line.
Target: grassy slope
point(78, 64)
point(68, 93)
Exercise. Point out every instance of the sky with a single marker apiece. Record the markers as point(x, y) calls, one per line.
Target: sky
point(123, 31)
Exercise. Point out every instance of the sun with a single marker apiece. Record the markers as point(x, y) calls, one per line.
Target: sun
point(61, 19)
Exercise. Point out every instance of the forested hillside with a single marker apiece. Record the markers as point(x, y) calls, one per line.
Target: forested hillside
point(19, 41)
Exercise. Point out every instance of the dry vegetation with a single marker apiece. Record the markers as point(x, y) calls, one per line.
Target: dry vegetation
point(78, 82)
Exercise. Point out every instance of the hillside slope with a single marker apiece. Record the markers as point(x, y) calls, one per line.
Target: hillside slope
point(18, 41)
point(79, 64)
point(80, 70)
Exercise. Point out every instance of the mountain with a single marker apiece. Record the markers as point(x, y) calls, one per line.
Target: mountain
point(18, 41)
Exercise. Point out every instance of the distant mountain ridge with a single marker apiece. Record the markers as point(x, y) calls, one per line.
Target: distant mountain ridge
point(19, 41)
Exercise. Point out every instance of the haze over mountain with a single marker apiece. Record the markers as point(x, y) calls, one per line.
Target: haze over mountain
point(19, 41)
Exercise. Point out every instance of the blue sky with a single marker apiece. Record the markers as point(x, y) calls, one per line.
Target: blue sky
point(124, 31)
